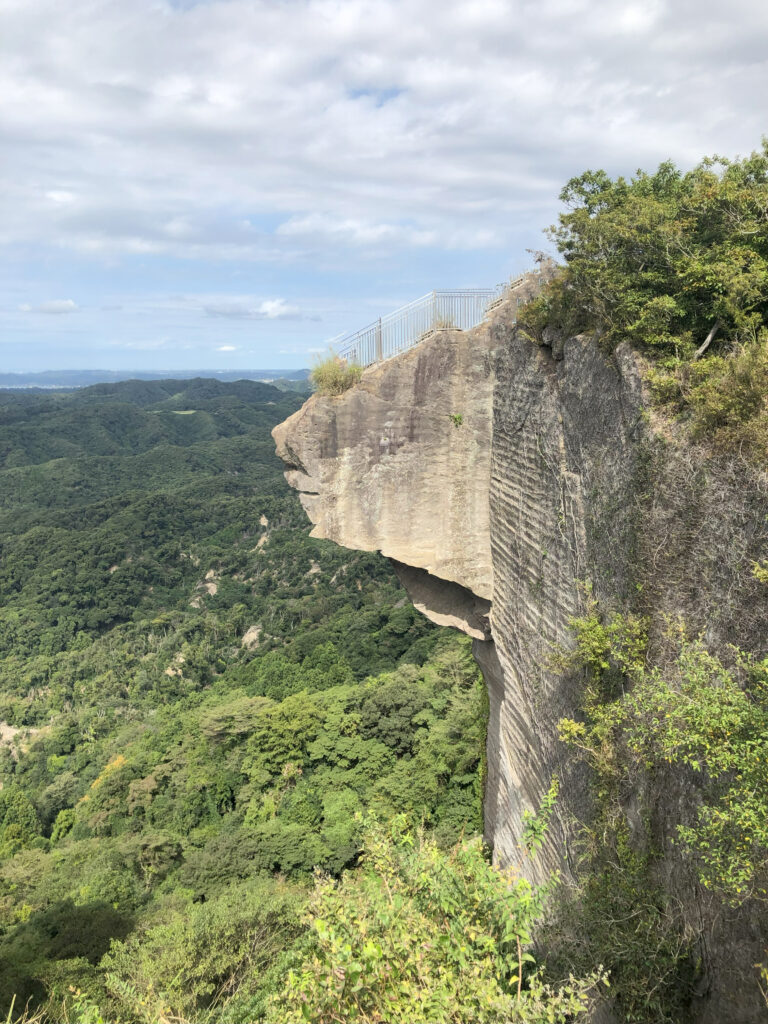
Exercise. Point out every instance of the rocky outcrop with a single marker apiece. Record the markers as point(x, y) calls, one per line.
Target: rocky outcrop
point(554, 475)
point(385, 467)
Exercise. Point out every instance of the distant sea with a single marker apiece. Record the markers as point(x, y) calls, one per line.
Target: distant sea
point(65, 379)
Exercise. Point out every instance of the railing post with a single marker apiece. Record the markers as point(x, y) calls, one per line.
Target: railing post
point(379, 354)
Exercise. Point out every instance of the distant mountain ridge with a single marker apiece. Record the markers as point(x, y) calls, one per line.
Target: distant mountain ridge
point(130, 417)
point(52, 379)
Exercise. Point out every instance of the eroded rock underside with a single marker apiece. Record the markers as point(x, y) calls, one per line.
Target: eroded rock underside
point(499, 475)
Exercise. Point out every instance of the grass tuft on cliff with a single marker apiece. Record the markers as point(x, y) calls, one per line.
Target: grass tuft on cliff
point(334, 375)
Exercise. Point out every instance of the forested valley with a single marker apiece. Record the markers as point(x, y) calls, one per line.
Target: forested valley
point(200, 706)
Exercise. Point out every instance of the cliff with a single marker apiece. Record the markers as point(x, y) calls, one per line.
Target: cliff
point(558, 472)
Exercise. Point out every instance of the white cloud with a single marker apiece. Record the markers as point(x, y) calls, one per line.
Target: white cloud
point(60, 196)
point(368, 125)
point(277, 309)
point(226, 348)
point(249, 309)
point(53, 306)
point(318, 229)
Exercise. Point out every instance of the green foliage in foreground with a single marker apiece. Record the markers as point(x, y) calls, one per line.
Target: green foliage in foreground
point(700, 725)
point(415, 933)
point(205, 961)
point(422, 934)
point(204, 804)
point(334, 375)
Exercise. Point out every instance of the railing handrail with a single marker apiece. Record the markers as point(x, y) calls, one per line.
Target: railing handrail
point(406, 326)
point(379, 320)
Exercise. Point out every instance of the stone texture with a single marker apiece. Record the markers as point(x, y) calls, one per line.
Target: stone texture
point(383, 466)
point(557, 426)
point(446, 603)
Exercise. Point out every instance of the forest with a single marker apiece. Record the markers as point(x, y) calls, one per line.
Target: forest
point(201, 706)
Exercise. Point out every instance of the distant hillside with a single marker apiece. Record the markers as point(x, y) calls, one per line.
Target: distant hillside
point(132, 417)
point(199, 703)
point(55, 379)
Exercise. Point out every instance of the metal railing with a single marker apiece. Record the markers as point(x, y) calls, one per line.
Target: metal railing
point(407, 326)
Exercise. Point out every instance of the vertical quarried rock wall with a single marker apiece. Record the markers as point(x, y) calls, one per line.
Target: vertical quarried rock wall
point(562, 457)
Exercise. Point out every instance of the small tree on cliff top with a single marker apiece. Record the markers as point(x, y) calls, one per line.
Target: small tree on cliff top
point(670, 260)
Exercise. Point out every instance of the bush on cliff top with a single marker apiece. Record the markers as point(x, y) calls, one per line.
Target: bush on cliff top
point(334, 375)
point(674, 262)
point(677, 264)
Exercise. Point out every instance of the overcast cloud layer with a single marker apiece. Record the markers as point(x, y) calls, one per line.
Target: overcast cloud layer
point(233, 182)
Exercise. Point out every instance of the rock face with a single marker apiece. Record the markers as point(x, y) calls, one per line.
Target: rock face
point(556, 474)
point(385, 467)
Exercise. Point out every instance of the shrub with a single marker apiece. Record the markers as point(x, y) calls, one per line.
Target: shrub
point(199, 957)
point(676, 263)
point(670, 260)
point(728, 399)
point(723, 398)
point(698, 730)
point(698, 716)
point(418, 934)
point(334, 375)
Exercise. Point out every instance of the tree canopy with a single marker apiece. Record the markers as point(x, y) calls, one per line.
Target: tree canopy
point(672, 260)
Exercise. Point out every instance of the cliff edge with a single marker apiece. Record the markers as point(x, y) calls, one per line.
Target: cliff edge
point(502, 477)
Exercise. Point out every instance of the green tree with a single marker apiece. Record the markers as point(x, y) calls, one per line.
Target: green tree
point(19, 823)
point(197, 958)
point(670, 260)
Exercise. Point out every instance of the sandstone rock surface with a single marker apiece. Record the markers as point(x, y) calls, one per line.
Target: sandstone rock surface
point(384, 467)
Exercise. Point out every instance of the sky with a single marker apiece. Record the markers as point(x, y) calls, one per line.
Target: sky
point(235, 183)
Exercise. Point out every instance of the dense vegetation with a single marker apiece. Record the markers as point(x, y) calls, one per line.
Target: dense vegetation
point(199, 703)
point(679, 760)
point(677, 264)
point(444, 938)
